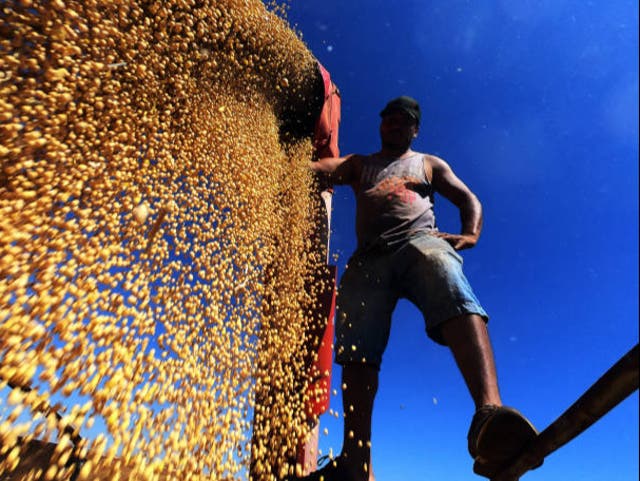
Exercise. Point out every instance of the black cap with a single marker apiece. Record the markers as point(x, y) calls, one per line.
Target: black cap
point(403, 104)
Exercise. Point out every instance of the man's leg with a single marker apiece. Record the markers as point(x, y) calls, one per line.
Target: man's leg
point(366, 301)
point(468, 339)
point(432, 278)
point(496, 435)
point(360, 384)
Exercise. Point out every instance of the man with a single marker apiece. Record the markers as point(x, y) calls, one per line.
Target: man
point(401, 254)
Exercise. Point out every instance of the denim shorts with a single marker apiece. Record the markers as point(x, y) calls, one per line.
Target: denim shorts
point(426, 270)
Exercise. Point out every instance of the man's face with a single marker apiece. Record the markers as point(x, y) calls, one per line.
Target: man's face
point(397, 130)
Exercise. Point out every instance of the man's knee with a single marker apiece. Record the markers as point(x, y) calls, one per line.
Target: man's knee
point(461, 327)
point(360, 376)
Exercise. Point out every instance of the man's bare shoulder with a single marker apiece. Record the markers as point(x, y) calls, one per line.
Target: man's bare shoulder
point(355, 157)
point(433, 166)
point(336, 161)
point(358, 159)
point(434, 161)
point(355, 163)
point(340, 170)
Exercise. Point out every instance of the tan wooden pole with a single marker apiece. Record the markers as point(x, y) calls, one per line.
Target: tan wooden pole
point(611, 389)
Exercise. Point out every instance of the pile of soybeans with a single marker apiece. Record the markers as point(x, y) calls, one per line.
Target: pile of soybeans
point(156, 230)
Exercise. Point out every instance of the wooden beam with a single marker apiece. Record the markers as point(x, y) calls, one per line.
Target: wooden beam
point(611, 389)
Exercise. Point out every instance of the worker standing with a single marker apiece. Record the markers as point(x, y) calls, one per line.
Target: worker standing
point(402, 254)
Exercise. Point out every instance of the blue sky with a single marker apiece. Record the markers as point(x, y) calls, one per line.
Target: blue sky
point(535, 106)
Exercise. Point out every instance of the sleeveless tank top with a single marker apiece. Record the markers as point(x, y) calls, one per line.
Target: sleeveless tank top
point(394, 201)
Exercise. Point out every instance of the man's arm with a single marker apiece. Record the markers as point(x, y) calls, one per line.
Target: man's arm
point(452, 188)
point(339, 170)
